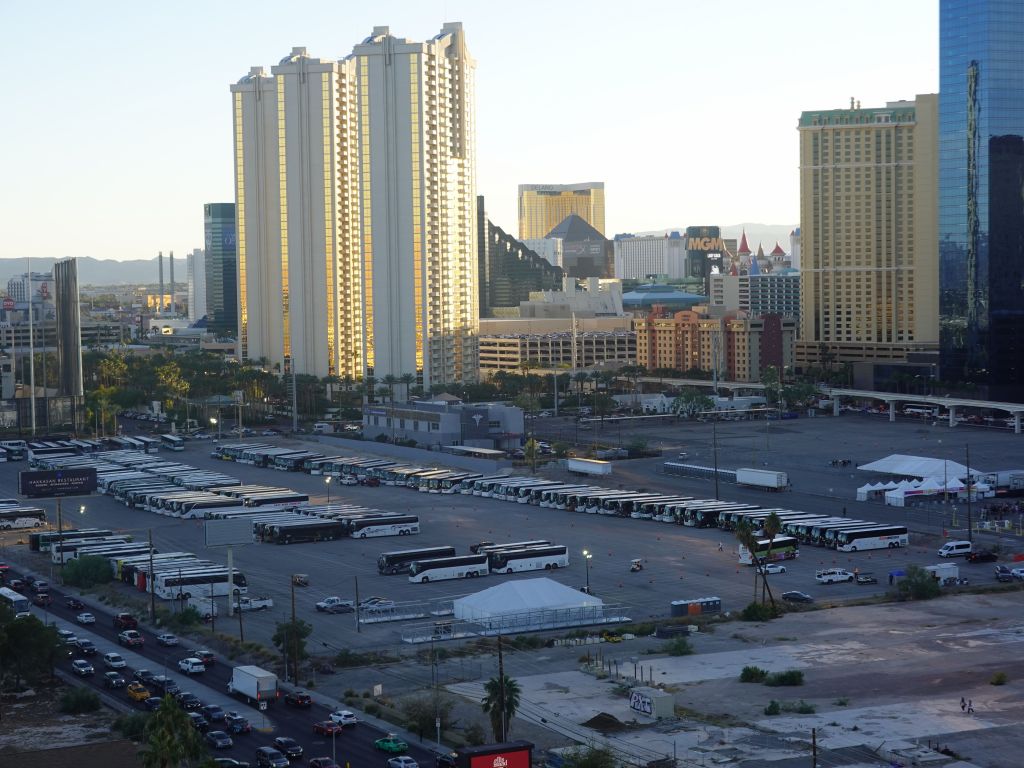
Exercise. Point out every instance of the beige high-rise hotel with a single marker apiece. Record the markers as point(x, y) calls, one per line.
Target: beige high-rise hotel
point(868, 219)
point(355, 185)
point(542, 207)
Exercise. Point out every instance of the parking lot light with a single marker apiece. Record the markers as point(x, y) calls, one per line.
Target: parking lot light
point(586, 559)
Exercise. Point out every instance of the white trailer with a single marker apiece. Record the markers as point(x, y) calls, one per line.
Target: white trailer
point(588, 466)
point(944, 573)
point(253, 684)
point(762, 478)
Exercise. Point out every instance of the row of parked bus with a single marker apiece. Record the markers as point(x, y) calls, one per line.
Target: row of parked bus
point(170, 575)
point(347, 469)
point(443, 563)
point(798, 527)
point(279, 515)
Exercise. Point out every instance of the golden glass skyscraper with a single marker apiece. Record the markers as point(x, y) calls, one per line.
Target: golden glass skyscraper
point(868, 211)
point(542, 207)
point(356, 190)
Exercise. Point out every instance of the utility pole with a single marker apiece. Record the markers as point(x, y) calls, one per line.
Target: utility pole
point(294, 643)
point(714, 447)
point(241, 631)
point(970, 527)
point(359, 627)
point(149, 581)
point(814, 748)
point(501, 692)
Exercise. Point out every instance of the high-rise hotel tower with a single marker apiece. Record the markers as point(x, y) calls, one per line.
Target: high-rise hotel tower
point(355, 185)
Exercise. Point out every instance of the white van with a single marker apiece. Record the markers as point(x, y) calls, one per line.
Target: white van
point(955, 549)
point(323, 428)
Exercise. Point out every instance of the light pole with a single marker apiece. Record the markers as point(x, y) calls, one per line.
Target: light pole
point(216, 423)
point(327, 482)
point(586, 559)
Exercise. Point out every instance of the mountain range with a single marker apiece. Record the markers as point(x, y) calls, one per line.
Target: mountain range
point(101, 271)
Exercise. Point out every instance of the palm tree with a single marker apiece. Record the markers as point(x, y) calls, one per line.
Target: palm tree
point(745, 536)
point(772, 526)
point(170, 738)
point(391, 381)
point(494, 706)
point(407, 380)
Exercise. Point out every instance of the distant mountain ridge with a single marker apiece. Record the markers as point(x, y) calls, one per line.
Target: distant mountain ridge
point(101, 271)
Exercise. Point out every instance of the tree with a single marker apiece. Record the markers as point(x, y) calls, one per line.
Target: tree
point(690, 401)
point(492, 705)
point(290, 639)
point(747, 537)
point(170, 738)
point(772, 528)
point(530, 451)
point(87, 571)
point(28, 649)
point(918, 584)
point(589, 757)
point(407, 380)
point(420, 711)
point(170, 379)
point(772, 384)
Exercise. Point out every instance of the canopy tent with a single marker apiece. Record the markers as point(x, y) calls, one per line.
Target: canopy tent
point(916, 466)
point(528, 603)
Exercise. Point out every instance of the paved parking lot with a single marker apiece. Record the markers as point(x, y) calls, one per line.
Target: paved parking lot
point(681, 563)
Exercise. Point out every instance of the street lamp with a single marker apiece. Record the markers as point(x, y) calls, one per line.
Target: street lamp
point(586, 559)
point(216, 423)
point(327, 482)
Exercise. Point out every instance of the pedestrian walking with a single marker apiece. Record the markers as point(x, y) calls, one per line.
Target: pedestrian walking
point(970, 707)
point(963, 704)
point(844, 511)
point(720, 547)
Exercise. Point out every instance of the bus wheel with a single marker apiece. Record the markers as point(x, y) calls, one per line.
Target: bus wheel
point(853, 549)
point(508, 570)
point(425, 579)
point(894, 545)
point(188, 596)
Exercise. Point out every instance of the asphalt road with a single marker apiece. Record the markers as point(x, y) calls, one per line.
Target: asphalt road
point(354, 747)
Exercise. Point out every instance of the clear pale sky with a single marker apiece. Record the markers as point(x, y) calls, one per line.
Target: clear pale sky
point(116, 125)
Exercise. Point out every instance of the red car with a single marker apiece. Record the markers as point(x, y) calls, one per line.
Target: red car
point(205, 656)
point(298, 699)
point(327, 728)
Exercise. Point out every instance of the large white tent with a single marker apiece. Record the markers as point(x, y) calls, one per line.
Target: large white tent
point(917, 466)
point(529, 604)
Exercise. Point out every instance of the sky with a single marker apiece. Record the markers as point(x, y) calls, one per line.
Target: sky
point(117, 120)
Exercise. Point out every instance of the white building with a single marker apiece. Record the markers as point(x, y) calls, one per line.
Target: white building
point(548, 248)
point(355, 194)
point(195, 269)
point(644, 256)
point(597, 298)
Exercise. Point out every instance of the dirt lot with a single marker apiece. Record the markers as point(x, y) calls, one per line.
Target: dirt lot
point(32, 721)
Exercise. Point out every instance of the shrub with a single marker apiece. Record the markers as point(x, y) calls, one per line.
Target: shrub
point(842, 702)
point(475, 735)
point(803, 708)
point(753, 675)
point(78, 701)
point(372, 709)
point(679, 646)
point(758, 612)
point(87, 571)
point(773, 708)
point(999, 678)
point(918, 584)
point(789, 677)
point(132, 726)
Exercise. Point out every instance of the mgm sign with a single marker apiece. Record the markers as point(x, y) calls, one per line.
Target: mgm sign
point(704, 250)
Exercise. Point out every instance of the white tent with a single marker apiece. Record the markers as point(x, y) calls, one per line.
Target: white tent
point(531, 603)
point(915, 466)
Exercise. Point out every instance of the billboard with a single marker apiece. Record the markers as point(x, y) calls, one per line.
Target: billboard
point(515, 754)
point(57, 482)
point(704, 250)
point(224, 533)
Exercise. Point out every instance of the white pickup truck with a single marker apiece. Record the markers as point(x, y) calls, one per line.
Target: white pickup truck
point(335, 605)
point(255, 603)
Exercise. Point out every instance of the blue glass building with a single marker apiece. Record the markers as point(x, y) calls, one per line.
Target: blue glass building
point(981, 195)
point(221, 268)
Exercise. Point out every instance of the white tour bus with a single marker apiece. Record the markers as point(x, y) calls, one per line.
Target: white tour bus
point(530, 559)
point(172, 442)
point(875, 537)
point(15, 602)
point(175, 585)
point(394, 525)
point(441, 568)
